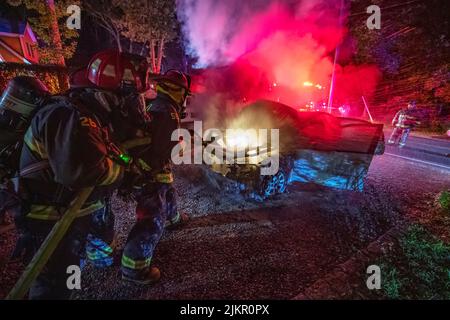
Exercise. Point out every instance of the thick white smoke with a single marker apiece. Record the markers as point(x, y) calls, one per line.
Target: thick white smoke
point(219, 32)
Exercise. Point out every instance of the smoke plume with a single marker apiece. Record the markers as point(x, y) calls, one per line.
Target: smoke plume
point(281, 50)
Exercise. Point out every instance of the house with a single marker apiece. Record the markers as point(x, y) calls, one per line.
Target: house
point(17, 42)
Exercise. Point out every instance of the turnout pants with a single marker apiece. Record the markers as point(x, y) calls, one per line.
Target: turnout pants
point(88, 235)
point(8, 202)
point(156, 207)
point(400, 135)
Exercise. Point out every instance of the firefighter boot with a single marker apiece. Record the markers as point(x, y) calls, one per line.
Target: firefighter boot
point(394, 136)
point(152, 276)
point(180, 220)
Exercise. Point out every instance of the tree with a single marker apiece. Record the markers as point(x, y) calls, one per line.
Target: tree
point(149, 24)
point(411, 49)
point(48, 21)
point(106, 13)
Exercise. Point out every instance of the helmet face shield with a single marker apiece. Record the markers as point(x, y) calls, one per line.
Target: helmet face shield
point(176, 79)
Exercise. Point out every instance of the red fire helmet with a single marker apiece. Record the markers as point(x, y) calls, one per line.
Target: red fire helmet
point(78, 79)
point(115, 70)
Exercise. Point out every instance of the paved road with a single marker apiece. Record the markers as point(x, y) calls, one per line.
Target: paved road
point(426, 151)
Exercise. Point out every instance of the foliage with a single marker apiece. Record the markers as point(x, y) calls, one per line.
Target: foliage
point(39, 17)
point(411, 49)
point(391, 282)
point(444, 200)
point(105, 14)
point(421, 270)
point(151, 22)
point(52, 76)
point(145, 20)
point(148, 23)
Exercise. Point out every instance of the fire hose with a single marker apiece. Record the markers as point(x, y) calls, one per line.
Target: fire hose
point(49, 245)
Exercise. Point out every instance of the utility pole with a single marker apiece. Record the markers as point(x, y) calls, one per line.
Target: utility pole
point(336, 55)
point(367, 109)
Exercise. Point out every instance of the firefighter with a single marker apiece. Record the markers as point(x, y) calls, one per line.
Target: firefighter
point(100, 245)
point(155, 195)
point(73, 143)
point(403, 122)
point(23, 96)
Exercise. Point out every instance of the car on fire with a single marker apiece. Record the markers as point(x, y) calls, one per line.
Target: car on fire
point(314, 147)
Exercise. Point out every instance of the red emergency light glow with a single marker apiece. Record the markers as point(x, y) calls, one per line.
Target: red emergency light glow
point(272, 51)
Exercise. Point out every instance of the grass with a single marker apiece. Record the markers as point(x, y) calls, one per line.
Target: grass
point(391, 281)
point(444, 200)
point(420, 270)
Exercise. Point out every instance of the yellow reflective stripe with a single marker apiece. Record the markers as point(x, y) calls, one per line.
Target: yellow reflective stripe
point(135, 264)
point(44, 212)
point(175, 93)
point(143, 165)
point(20, 106)
point(176, 219)
point(164, 177)
point(113, 174)
point(173, 221)
point(91, 208)
point(34, 145)
point(99, 252)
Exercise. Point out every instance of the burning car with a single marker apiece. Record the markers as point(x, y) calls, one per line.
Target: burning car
point(313, 147)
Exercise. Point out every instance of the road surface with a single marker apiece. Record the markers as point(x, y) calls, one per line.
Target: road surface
point(422, 150)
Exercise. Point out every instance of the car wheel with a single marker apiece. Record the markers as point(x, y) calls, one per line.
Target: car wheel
point(269, 186)
point(281, 182)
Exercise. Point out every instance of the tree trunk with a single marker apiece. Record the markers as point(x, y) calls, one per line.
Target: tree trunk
point(152, 56)
point(160, 55)
point(55, 35)
point(142, 49)
point(119, 44)
point(57, 43)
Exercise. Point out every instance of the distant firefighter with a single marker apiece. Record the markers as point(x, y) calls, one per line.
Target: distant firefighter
point(404, 121)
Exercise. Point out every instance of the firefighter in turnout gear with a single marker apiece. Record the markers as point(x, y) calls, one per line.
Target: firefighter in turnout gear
point(99, 245)
point(404, 121)
point(73, 142)
point(155, 195)
point(21, 99)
